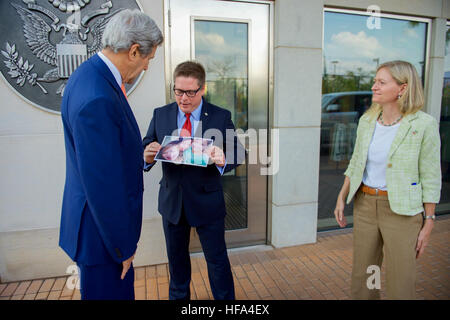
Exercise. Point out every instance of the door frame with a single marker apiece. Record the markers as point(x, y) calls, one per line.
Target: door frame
point(270, 93)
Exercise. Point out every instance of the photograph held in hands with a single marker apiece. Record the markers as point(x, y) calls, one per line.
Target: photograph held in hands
point(185, 150)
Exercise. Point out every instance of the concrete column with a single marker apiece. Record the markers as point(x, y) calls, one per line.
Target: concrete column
point(433, 89)
point(297, 101)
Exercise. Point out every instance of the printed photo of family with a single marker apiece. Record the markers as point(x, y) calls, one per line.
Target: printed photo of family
point(185, 150)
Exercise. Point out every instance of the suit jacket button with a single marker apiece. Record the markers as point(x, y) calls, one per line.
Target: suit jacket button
point(389, 165)
point(119, 254)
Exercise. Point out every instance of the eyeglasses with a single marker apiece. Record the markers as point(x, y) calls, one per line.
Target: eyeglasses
point(189, 93)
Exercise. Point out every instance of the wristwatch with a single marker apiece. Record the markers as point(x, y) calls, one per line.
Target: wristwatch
point(433, 217)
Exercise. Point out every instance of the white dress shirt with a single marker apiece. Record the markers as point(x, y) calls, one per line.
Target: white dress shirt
point(112, 68)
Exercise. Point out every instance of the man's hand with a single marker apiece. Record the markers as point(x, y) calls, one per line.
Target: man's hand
point(126, 266)
point(216, 155)
point(150, 151)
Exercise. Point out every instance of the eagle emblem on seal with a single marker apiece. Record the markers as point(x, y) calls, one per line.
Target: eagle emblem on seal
point(61, 35)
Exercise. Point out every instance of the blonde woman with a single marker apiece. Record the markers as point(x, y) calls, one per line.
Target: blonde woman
point(394, 175)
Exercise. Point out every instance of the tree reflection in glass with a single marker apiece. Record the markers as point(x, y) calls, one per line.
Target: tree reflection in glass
point(222, 47)
point(351, 54)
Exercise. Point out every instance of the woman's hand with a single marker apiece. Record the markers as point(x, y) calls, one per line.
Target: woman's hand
point(424, 235)
point(339, 212)
point(340, 203)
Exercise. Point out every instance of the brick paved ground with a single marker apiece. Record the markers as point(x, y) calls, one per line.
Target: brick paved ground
point(316, 271)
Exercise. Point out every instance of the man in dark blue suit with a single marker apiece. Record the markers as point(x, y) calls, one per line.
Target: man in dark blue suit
point(102, 205)
point(192, 196)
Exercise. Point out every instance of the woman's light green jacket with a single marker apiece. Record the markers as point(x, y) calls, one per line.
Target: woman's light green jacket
point(413, 172)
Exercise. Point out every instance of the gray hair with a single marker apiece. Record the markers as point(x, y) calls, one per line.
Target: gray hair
point(130, 27)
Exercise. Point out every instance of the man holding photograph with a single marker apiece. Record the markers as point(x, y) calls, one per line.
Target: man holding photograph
point(192, 196)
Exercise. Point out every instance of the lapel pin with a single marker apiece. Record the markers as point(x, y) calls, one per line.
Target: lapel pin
point(414, 132)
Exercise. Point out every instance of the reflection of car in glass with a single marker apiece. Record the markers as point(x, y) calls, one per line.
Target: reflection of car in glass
point(340, 114)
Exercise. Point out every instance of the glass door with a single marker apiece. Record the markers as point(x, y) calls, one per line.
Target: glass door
point(231, 40)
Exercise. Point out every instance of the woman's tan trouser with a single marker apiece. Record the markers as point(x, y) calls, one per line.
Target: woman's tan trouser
point(375, 225)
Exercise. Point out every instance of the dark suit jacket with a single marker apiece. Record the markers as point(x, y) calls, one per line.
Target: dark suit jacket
point(102, 204)
point(198, 189)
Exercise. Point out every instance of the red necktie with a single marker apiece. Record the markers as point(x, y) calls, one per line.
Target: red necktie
point(124, 91)
point(187, 127)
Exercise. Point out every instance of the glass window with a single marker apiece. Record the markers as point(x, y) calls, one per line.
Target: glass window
point(352, 51)
point(222, 47)
point(444, 205)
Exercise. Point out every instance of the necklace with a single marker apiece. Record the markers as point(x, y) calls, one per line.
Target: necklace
point(389, 125)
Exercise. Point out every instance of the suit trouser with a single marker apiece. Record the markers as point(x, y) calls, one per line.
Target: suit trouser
point(212, 238)
point(376, 226)
point(102, 282)
point(100, 274)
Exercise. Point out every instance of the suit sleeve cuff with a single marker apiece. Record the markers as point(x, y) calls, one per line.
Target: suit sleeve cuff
point(148, 166)
point(221, 169)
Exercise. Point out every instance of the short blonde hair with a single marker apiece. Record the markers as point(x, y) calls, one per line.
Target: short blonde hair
point(412, 99)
